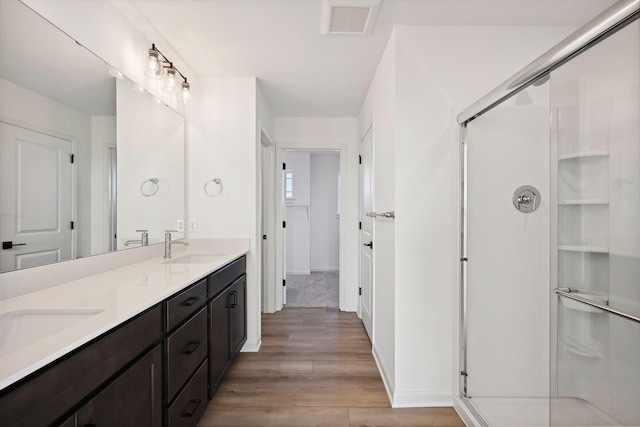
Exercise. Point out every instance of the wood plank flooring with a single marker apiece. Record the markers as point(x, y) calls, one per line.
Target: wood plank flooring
point(315, 368)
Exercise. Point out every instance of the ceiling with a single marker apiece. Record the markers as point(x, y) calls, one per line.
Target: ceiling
point(302, 72)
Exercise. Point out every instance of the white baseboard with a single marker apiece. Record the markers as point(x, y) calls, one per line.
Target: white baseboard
point(252, 346)
point(353, 308)
point(305, 272)
point(422, 399)
point(386, 379)
point(464, 413)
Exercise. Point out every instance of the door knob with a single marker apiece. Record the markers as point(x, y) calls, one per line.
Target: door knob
point(370, 244)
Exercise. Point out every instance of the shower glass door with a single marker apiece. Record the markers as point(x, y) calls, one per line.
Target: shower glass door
point(507, 314)
point(595, 234)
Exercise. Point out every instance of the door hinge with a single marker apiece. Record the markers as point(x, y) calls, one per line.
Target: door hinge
point(284, 224)
point(72, 225)
point(284, 166)
point(284, 282)
point(359, 159)
point(360, 225)
point(73, 158)
point(360, 291)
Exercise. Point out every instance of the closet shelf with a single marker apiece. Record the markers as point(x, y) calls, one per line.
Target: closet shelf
point(584, 202)
point(584, 154)
point(584, 248)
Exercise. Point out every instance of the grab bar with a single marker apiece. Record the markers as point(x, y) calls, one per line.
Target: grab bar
point(390, 214)
point(568, 293)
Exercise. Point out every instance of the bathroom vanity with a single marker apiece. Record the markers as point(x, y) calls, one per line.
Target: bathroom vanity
point(144, 345)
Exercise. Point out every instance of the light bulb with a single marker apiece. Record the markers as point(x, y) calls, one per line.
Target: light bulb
point(153, 70)
point(169, 84)
point(185, 92)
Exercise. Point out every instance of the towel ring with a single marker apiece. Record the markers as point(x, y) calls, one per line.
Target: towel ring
point(215, 181)
point(155, 186)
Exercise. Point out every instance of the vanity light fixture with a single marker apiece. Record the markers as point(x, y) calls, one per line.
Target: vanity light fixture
point(159, 67)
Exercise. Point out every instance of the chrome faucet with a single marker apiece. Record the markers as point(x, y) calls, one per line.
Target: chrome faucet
point(144, 239)
point(168, 242)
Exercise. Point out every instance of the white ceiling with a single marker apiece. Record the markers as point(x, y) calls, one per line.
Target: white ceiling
point(301, 72)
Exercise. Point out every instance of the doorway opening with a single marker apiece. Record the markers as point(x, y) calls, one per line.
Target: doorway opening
point(311, 209)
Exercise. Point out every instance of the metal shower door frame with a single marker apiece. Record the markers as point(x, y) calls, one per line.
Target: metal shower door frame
point(599, 28)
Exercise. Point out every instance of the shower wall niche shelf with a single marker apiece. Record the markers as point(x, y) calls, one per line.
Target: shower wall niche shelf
point(583, 155)
point(584, 248)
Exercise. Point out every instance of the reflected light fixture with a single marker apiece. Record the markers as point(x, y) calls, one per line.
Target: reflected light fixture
point(158, 67)
point(115, 73)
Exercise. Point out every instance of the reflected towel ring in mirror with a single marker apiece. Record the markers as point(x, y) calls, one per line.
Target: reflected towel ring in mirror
point(215, 181)
point(150, 189)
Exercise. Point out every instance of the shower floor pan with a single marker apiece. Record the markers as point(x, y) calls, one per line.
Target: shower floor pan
point(537, 411)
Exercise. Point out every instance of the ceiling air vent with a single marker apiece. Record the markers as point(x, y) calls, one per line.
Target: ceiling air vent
point(354, 17)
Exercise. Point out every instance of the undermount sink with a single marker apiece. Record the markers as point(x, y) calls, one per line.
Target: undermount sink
point(21, 328)
point(195, 259)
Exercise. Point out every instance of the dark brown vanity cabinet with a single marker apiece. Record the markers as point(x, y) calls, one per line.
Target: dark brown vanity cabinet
point(227, 319)
point(159, 368)
point(186, 351)
point(57, 393)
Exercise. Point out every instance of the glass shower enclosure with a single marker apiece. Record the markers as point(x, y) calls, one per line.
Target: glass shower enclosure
point(550, 237)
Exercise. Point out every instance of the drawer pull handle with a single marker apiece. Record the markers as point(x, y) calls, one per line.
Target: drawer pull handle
point(190, 301)
point(191, 409)
point(191, 347)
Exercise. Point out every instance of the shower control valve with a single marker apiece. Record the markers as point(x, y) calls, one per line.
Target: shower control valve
point(526, 199)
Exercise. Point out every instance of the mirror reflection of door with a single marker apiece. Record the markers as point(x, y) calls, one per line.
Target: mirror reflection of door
point(112, 179)
point(36, 194)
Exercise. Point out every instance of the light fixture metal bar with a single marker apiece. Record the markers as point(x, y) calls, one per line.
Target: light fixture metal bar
point(164, 57)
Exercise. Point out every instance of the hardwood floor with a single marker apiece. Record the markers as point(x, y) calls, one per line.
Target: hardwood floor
point(315, 368)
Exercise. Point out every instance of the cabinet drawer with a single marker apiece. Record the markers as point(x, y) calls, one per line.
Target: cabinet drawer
point(185, 303)
point(191, 402)
point(227, 274)
point(186, 349)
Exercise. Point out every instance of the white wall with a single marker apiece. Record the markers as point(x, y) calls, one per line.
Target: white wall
point(417, 88)
point(332, 133)
point(298, 232)
point(223, 144)
point(325, 224)
point(147, 149)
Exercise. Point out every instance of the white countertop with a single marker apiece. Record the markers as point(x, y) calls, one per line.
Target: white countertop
point(116, 296)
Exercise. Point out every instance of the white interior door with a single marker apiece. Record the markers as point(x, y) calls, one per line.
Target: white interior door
point(366, 235)
point(283, 209)
point(268, 237)
point(36, 195)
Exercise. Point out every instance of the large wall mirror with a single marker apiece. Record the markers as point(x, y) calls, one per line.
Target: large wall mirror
point(87, 157)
